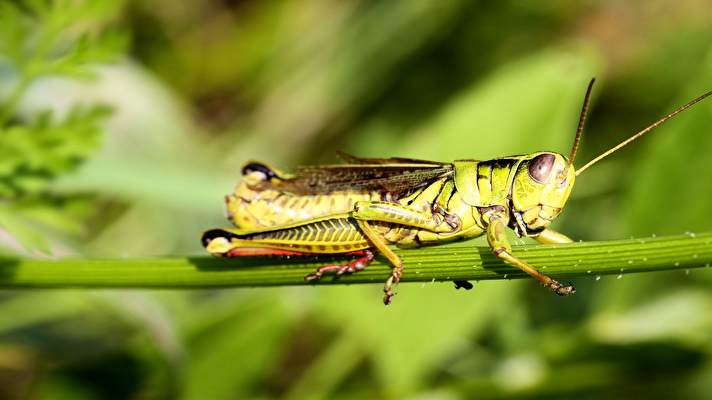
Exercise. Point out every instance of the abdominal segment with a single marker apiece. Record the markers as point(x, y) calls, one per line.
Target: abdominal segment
point(327, 236)
point(252, 209)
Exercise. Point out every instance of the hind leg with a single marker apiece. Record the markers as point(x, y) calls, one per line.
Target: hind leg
point(348, 268)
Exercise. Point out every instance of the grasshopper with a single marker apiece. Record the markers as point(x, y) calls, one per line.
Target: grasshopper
point(367, 204)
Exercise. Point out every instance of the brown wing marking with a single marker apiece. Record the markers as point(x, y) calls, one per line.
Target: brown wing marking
point(394, 178)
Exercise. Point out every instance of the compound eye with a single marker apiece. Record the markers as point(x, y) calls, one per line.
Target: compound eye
point(540, 167)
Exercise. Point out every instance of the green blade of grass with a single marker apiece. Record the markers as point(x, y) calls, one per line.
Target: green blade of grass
point(441, 263)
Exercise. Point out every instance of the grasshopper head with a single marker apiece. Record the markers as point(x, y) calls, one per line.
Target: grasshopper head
point(541, 186)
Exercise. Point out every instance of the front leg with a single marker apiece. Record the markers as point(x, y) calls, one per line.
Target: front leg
point(501, 248)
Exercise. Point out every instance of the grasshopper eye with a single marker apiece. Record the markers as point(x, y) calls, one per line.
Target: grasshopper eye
point(540, 167)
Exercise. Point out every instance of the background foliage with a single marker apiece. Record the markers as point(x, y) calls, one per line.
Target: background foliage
point(196, 88)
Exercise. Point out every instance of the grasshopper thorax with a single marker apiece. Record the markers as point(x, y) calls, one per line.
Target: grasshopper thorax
point(540, 188)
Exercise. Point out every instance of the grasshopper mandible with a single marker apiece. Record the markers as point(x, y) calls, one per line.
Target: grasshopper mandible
point(366, 204)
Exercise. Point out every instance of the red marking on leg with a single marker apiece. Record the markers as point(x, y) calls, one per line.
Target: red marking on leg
point(356, 265)
point(358, 253)
point(348, 268)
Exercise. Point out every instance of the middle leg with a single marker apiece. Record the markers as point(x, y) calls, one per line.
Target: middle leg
point(434, 220)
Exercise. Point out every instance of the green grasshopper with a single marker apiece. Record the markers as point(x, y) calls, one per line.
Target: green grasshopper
point(366, 204)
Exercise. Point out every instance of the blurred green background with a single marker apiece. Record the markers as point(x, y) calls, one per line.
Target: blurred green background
point(123, 124)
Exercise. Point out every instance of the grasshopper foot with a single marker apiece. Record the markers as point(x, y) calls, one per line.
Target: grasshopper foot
point(560, 289)
point(391, 282)
point(314, 276)
point(388, 296)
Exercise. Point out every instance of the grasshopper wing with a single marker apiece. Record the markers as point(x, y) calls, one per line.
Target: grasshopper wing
point(397, 176)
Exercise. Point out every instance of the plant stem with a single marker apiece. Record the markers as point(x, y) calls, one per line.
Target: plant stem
point(440, 263)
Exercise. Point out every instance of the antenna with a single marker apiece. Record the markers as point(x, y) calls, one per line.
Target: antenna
point(644, 131)
point(582, 120)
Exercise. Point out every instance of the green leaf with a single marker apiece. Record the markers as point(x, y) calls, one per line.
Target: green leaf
point(670, 191)
point(86, 52)
point(32, 155)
